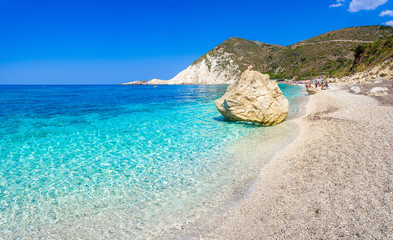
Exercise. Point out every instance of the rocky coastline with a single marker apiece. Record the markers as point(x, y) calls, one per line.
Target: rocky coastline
point(135, 83)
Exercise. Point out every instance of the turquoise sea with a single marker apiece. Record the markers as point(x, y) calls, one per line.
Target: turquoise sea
point(130, 162)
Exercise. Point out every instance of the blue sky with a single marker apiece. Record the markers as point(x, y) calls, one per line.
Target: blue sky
point(109, 42)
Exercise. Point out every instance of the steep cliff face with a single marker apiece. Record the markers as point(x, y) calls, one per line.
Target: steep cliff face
point(216, 68)
point(372, 61)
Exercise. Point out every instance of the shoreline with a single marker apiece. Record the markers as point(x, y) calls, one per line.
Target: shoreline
point(325, 184)
point(261, 141)
point(245, 191)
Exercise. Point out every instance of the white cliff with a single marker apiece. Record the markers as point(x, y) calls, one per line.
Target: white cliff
point(209, 69)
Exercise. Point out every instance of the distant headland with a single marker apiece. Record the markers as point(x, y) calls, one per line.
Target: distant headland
point(336, 54)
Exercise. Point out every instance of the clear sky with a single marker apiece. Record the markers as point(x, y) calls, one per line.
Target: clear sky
point(112, 41)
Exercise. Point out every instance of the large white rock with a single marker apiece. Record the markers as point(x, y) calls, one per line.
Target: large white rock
point(254, 98)
point(379, 91)
point(355, 89)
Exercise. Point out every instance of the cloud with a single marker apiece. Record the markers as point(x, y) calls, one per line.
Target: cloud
point(338, 3)
point(386, 13)
point(389, 23)
point(357, 5)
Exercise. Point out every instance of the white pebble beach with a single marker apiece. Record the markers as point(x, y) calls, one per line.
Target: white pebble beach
point(334, 181)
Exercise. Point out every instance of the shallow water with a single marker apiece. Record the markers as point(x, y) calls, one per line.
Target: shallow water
point(123, 161)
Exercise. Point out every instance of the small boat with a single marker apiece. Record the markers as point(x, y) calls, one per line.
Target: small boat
point(155, 85)
point(312, 90)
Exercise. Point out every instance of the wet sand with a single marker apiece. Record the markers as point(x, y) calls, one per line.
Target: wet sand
point(334, 181)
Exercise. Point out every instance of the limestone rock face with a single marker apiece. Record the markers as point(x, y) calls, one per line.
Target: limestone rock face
point(254, 98)
point(378, 73)
point(217, 69)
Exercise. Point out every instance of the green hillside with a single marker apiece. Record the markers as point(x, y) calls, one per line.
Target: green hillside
point(331, 53)
point(245, 52)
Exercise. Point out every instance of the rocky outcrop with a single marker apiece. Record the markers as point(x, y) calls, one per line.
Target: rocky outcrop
point(380, 72)
point(157, 82)
point(135, 83)
point(217, 68)
point(254, 98)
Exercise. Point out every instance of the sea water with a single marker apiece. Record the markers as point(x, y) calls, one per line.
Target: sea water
point(130, 162)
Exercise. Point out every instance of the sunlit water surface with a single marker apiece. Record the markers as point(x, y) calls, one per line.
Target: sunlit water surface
point(124, 161)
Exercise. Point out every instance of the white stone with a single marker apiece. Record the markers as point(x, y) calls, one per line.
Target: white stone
point(379, 80)
point(379, 91)
point(355, 89)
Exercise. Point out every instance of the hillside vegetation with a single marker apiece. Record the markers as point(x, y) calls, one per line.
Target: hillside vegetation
point(364, 33)
point(245, 52)
point(332, 53)
point(370, 55)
